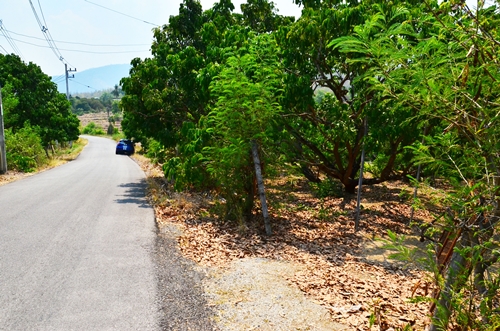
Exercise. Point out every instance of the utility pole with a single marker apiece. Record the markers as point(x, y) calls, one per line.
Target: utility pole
point(66, 70)
point(3, 152)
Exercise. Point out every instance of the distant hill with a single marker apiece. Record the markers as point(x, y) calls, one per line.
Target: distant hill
point(94, 79)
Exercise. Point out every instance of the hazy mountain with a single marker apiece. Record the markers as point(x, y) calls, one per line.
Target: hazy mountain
point(93, 79)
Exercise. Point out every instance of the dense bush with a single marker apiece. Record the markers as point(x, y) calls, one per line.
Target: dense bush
point(93, 129)
point(155, 151)
point(24, 149)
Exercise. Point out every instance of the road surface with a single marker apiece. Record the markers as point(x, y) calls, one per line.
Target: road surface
point(78, 248)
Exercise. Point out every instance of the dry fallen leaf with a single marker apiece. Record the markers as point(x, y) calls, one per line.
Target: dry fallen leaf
point(334, 270)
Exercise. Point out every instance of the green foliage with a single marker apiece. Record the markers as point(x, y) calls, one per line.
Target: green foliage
point(111, 129)
point(327, 188)
point(187, 169)
point(410, 256)
point(93, 129)
point(246, 107)
point(81, 106)
point(155, 151)
point(441, 72)
point(209, 90)
point(327, 134)
point(9, 100)
point(24, 149)
point(38, 102)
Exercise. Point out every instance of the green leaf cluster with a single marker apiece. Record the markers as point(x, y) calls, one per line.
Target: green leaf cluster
point(38, 104)
point(24, 149)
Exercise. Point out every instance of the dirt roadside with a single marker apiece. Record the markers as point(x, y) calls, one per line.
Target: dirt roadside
point(313, 273)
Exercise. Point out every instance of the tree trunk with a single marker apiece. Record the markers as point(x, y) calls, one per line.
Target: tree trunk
point(249, 199)
point(350, 186)
point(309, 174)
point(260, 184)
point(454, 277)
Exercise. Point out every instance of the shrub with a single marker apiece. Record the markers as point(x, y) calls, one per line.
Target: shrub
point(156, 151)
point(24, 149)
point(93, 129)
point(111, 129)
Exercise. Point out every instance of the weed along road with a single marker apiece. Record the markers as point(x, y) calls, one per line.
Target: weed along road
point(77, 247)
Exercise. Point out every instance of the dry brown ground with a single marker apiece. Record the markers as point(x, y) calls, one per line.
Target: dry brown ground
point(346, 272)
point(100, 119)
point(11, 176)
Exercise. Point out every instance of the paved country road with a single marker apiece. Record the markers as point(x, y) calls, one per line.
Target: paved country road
point(79, 251)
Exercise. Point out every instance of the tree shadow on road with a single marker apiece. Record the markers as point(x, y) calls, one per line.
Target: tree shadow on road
point(134, 193)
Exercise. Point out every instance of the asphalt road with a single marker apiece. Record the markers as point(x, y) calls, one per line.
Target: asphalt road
point(76, 245)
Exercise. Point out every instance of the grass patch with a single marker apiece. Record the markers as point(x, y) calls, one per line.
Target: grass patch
point(67, 154)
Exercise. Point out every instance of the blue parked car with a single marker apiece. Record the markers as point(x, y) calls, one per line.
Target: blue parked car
point(125, 146)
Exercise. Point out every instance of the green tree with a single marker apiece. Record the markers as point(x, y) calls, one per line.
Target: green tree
point(262, 16)
point(327, 137)
point(9, 100)
point(172, 97)
point(40, 105)
point(116, 91)
point(162, 93)
point(451, 77)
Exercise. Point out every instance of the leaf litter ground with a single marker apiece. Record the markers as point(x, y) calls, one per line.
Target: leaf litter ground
point(348, 273)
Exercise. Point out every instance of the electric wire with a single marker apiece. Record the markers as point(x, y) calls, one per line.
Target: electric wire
point(83, 44)
point(115, 11)
point(6, 34)
point(74, 81)
point(11, 43)
point(81, 51)
point(41, 12)
point(47, 35)
point(10, 40)
point(59, 79)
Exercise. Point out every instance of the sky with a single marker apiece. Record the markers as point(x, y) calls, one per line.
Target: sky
point(86, 34)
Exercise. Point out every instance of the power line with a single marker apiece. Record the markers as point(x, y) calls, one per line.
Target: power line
point(74, 81)
point(115, 11)
point(10, 40)
point(46, 33)
point(41, 11)
point(59, 79)
point(77, 43)
point(81, 51)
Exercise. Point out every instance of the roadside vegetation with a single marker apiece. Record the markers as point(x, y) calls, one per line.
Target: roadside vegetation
point(381, 91)
point(39, 125)
point(24, 160)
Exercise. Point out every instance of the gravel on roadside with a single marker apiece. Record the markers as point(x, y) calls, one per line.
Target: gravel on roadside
point(180, 293)
point(253, 294)
point(248, 294)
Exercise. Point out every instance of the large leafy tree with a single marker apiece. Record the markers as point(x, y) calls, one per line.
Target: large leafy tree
point(168, 97)
point(328, 136)
point(451, 76)
point(162, 92)
point(39, 104)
